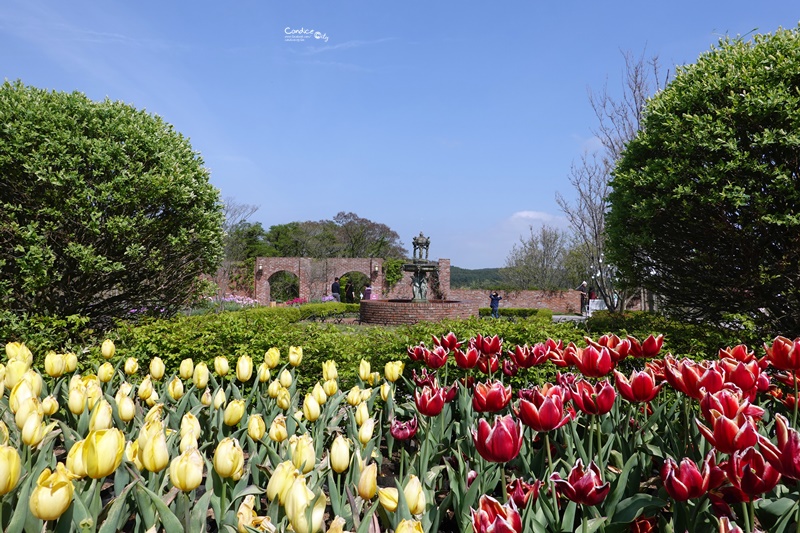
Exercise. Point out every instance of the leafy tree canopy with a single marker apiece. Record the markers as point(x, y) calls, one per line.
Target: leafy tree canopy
point(103, 208)
point(704, 207)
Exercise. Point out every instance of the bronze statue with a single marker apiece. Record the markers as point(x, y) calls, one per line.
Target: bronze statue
point(421, 244)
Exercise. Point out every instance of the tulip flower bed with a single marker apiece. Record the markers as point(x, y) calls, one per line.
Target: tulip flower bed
point(667, 445)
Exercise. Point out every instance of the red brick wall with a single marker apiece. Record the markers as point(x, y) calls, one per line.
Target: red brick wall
point(401, 312)
point(560, 302)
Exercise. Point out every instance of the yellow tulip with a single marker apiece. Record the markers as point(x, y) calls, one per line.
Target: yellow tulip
point(14, 372)
point(365, 394)
point(329, 370)
point(311, 409)
point(17, 351)
point(187, 441)
point(10, 465)
point(366, 430)
point(34, 430)
point(102, 452)
point(157, 368)
point(124, 389)
point(386, 390)
point(374, 378)
point(354, 396)
point(221, 366)
point(244, 368)
point(186, 369)
point(277, 430)
point(368, 482)
point(284, 399)
point(272, 357)
point(49, 405)
point(77, 399)
point(285, 379)
point(126, 408)
point(298, 499)
point(233, 412)
point(281, 481)
point(105, 372)
point(153, 451)
point(145, 388)
point(132, 454)
point(219, 399)
point(29, 407)
point(273, 388)
point(319, 394)
point(409, 526)
point(55, 364)
point(330, 387)
point(175, 388)
point(93, 393)
point(393, 370)
point(190, 424)
point(152, 400)
point(340, 454)
point(19, 394)
point(303, 453)
point(53, 493)
point(75, 459)
point(156, 413)
point(362, 414)
point(107, 349)
point(295, 355)
point(205, 399)
point(229, 459)
point(415, 495)
point(102, 416)
point(34, 379)
point(364, 370)
point(3, 433)
point(131, 366)
point(186, 470)
point(247, 517)
point(70, 362)
point(256, 428)
point(263, 373)
point(388, 497)
point(200, 376)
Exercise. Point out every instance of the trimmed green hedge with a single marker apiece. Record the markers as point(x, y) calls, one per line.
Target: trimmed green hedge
point(517, 312)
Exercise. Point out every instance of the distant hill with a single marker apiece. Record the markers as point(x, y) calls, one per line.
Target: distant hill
point(479, 278)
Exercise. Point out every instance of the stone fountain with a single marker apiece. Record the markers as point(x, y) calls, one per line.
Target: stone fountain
point(418, 308)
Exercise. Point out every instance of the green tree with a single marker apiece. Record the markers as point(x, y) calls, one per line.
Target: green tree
point(103, 208)
point(704, 206)
point(538, 261)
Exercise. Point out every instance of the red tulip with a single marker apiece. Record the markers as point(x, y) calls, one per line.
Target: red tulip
point(689, 377)
point(542, 409)
point(641, 387)
point(656, 366)
point(466, 359)
point(730, 434)
point(448, 342)
point(498, 443)
point(492, 517)
point(739, 352)
point(644, 524)
point(648, 349)
point(590, 361)
point(527, 356)
point(488, 364)
point(436, 358)
point(729, 403)
point(595, 399)
point(582, 486)
point(417, 353)
point(618, 348)
point(743, 375)
point(488, 345)
point(784, 354)
point(424, 378)
point(451, 392)
point(403, 430)
point(750, 473)
point(785, 457)
point(430, 401)
point(510, 368)
point(686, 481)
point(521, 492)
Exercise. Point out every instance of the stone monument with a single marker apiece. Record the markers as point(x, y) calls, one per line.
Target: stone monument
point(420, 267)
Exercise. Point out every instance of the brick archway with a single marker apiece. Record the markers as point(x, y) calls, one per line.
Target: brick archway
point(315, 276)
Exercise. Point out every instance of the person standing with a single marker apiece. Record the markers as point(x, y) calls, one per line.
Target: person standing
point(349, 293)
point(584, 302)
point(495, 304)
point(368, 292)
point(335, 290)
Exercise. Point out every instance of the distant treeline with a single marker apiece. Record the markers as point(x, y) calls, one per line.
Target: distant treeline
point(479, 278)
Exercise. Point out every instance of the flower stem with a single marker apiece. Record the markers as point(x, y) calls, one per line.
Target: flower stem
point(746, 517)
point(794, 418)
point(598, 429)
point(550, 471)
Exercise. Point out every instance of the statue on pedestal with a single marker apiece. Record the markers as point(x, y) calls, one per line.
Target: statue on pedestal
point(419, 285)
point(421, 244)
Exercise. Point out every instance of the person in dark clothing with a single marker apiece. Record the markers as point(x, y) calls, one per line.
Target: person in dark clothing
point(495, 304)
point(335, 290)
point(368, 292)
point(349, 294)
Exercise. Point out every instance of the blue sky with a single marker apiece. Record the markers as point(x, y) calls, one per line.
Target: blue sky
point(458, 119)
